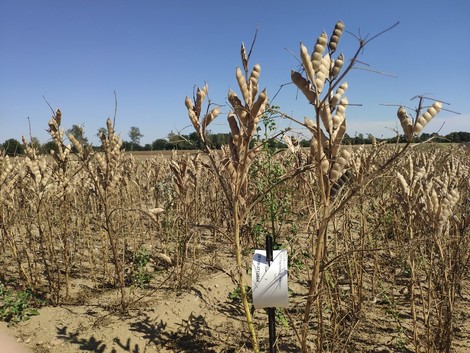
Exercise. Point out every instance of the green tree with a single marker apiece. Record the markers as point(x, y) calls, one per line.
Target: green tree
point(135, 135)
point(13, 147)
point(160, 144)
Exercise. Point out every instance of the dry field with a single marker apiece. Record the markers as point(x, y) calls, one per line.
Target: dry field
point(170, 227)
point(110, 252)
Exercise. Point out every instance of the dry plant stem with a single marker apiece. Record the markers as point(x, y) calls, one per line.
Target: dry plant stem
point(246, 305)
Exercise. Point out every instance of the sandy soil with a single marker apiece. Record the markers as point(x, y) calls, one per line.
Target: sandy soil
point(200, 319)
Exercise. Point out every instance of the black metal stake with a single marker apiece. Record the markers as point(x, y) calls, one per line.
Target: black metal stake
point(271, 311)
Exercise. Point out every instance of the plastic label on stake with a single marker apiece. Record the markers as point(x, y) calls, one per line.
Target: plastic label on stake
point(269, 287)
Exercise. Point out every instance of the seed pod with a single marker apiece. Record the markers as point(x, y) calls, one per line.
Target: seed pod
point(259, 106)
point(337, 96)
point(339, 164)
point(309, 124)
point(405, 122)
point(338, 65)
point(427, 116)
point(189, 103)
point(337, 137)
point(317, 152)
point(243, 86)
point(76, 143)
point(403, 184)
point(340, 113)
point(325, 114)
point(335, 37)
point(255, 73)
point(318, 51)
point(200, 96)
point(322, 73)
point(210, 117)
point(109, 125)
point(304, 86)
point(307, 63)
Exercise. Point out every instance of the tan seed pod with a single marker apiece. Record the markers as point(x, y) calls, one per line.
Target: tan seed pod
point(255, 73)
point(337, 32)
point(304, 86)
point(336, 68)
point(317, 152)
point(200, 96)
point(258, 107)
point(76, 143)
point(254, 88)
point(337, 138)
point(427, 116)
point(337, 96)
point(340, 113)
point(210, 117)
point(189, 103)
point(326, 117)
point(405, 122)
point(322, 73)
point(318, 51)
point(307, 63)
point(243, 86)
point(309, 124)
point(403, 184)
point(339, 164)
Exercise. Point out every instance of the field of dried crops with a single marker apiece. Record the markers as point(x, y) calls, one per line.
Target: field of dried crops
point(106, 252)
point(161, 228)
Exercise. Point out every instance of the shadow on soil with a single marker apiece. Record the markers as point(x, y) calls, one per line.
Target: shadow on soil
point(192, 335)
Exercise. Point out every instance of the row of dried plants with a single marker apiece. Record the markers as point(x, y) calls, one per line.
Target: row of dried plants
point(349, 217)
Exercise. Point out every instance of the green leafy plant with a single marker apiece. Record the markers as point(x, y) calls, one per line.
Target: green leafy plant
point(16, 306)
point(141, 277)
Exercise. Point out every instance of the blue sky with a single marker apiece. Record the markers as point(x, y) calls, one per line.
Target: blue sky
point(152, 53)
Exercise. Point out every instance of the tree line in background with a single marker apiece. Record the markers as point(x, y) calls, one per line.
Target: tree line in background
point(190, 141)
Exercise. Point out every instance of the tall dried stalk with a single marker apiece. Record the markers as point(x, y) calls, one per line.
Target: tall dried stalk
point(233, 168)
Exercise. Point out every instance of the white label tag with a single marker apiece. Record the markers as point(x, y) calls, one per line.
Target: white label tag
point(269, 283)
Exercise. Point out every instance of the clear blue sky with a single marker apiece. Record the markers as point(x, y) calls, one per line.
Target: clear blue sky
point(152, 53)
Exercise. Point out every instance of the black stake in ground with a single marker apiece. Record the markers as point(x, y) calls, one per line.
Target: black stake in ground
point(271, 311)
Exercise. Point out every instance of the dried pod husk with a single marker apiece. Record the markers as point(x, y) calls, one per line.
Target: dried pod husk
point(340, 114)
point(338, 184)
point(254, 78)
point(317, 152)
point(200, 96)
point(318, 50)
point(337, 96)
point(304, 86)
point(259, 106)
point(244, 57)
point(309, 124)
point(404, 185)
point(76, 143)
point(194, 119)
point(238, 107)
point(214, 113)
point(322, 74)
point(406, 123)
point(243, 86)
point(307, 62)
point(337, 138)
point(340, 162)
point(336, 68)
point(255, 73)
point(235, 130)
point(427, 116)
point(335, 37)
point(326, 117)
